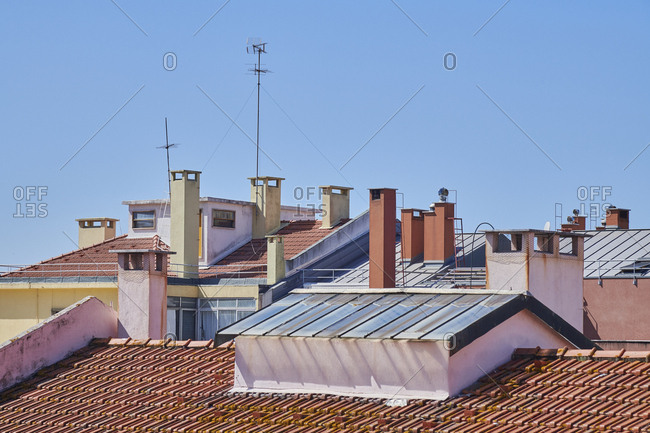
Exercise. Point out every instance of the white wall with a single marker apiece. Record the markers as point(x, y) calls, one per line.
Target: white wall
point(222, 241)
point(381, 368)
point(162, 224)
point(410, 369)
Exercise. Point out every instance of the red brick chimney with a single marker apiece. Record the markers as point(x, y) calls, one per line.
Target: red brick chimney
point(412, 233)
point(382, 238)
point(617, 218)
point(439, 233)
point(575, 222)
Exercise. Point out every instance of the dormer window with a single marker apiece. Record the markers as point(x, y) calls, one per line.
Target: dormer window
point(223, 218)
point(144, 219)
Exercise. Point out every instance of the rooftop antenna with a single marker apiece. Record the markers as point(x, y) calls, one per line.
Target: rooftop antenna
point(167, 146)
point(256, 46)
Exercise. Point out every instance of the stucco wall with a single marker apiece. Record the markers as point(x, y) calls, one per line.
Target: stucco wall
point(382, 368)
point(54, 339)
point(222, 241)
point(25, 305)
point(495, 348)
point(162, 221)
point(618, 310)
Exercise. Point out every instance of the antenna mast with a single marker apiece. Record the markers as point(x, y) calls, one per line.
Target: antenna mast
point(256, 46)
point(167, 146)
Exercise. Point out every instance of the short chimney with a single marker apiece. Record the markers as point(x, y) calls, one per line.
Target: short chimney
point(523, 261)
point(617, 218)
point(382, 238)
point(142, 293)
point(95, 230)
point(265, 193)
point(275, 263)
point(439, 235)
point(336, 205)
point(185, 186)
point(575, 222)
point(412, 234)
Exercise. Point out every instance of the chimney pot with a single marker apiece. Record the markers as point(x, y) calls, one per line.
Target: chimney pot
point(95, 230)
point(266, 194)
point(336, 204)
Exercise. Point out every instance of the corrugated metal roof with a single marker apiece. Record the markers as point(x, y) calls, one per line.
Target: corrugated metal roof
point(434, 275)
point(392, 315)
point(608, 252)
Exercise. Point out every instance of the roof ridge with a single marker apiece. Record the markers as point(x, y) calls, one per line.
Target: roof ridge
point(169, 342)
point(43, 262)
point(594, 354)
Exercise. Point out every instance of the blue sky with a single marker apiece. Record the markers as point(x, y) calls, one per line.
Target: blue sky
point(540, 85)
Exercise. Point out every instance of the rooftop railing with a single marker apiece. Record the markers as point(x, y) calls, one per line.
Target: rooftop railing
point(57, 271)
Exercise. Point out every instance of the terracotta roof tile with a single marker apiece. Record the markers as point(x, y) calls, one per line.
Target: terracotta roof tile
point(127, 385)
point(92, 261)
point(249, 261)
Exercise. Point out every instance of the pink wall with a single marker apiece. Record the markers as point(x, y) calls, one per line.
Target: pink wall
point(495, 348)
point(55, 339)
point(618, 310)
point(404, 369)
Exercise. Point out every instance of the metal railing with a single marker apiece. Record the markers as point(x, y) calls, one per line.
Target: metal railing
point(252, 270)
point(323, 275)
point(624, 268)
point(58, 270)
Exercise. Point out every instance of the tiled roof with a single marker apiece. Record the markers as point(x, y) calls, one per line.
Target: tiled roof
point(250, 259)
point(144, 386)
point(92, 261)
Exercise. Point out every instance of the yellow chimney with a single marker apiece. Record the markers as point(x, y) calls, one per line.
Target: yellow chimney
point(275, 264)
point(265, 193)
point(185, 220)
point(95, 230)
point(336, 204)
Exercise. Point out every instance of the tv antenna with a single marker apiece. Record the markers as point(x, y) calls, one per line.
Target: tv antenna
point(167, 146)
point(256, 46)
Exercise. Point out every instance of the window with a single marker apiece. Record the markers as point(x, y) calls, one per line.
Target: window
point(143, 219)
point(223, 218)
point(181, 317)
point(218, 313)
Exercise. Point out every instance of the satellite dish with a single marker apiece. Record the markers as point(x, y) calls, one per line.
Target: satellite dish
point(576, 212)
point(570, 219)
point(547, 226)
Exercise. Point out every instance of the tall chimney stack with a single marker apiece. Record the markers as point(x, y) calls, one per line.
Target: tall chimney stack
point(185, 220)
point(439, 234)
point(412, 234)
point(266, 194)
point(382, 238)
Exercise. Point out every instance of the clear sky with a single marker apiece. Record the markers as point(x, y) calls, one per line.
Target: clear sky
point(516, 105)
